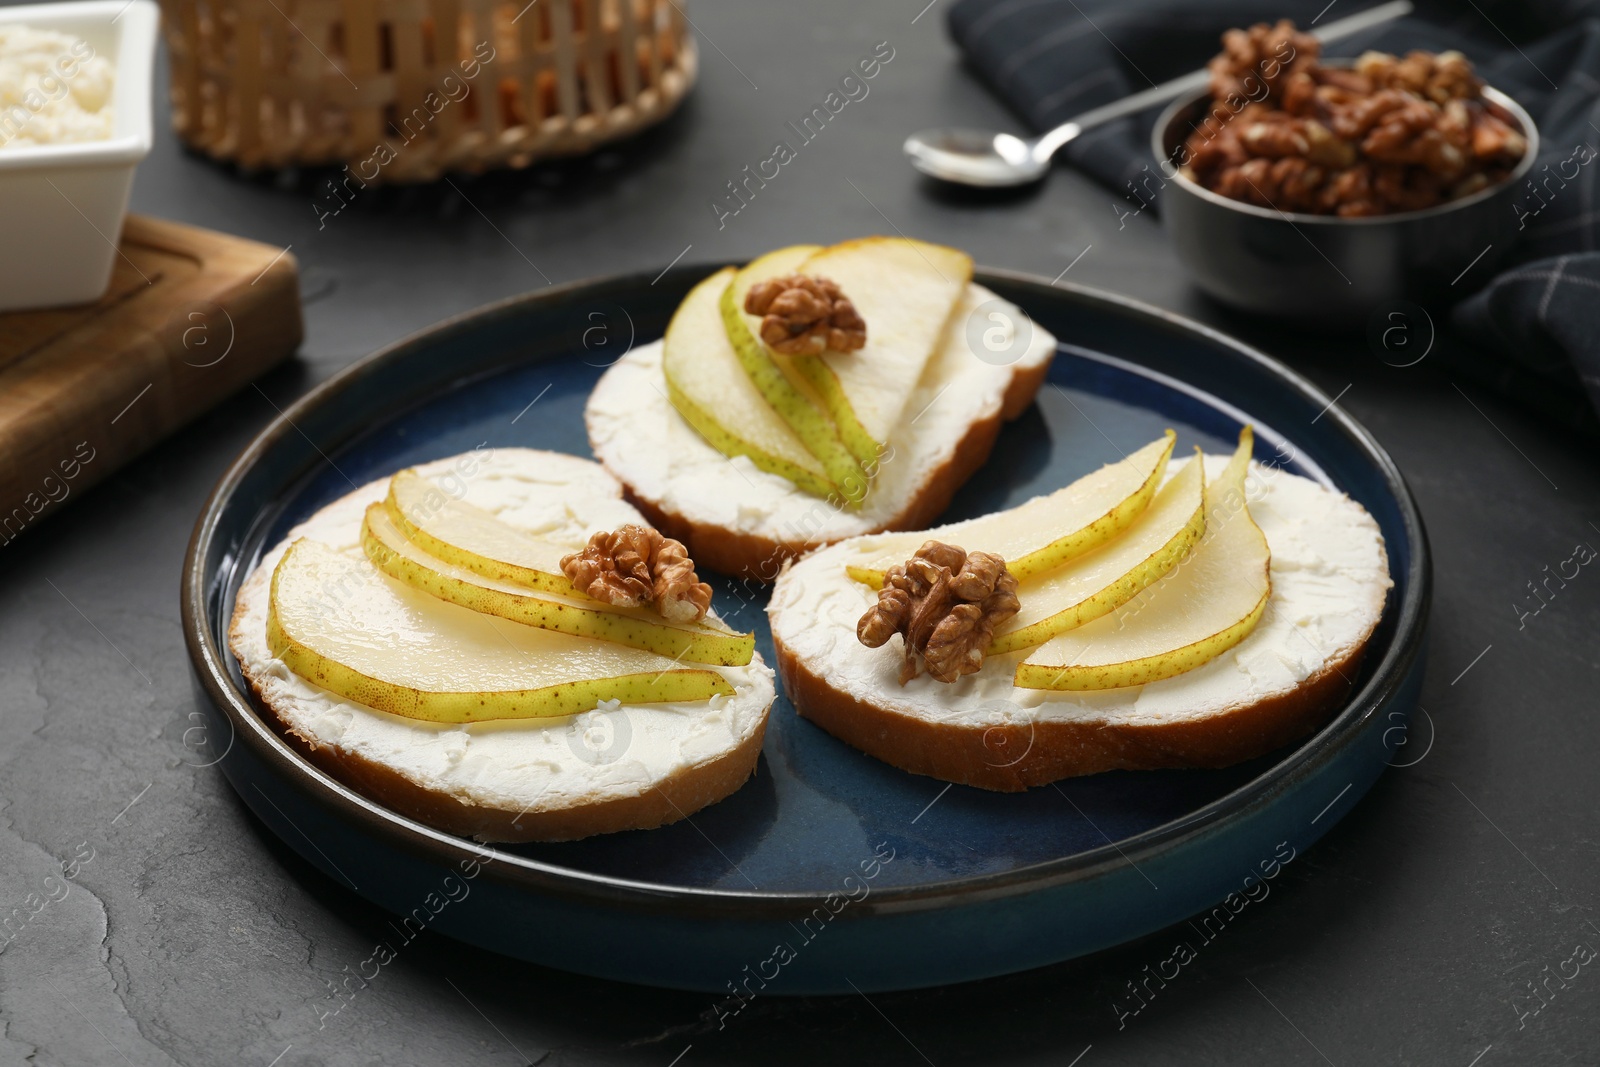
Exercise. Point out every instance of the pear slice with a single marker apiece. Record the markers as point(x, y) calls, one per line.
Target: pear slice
point(1098, 583)
point(905, 291)
point(775, 377)
point(469, 537)
point(340, 624)
point(1092, 510)
point(709, 387)
point(1203, 607)
point(404, 561)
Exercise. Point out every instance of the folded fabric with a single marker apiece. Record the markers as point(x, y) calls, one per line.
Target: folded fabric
point(1053, 59)
point(1543, 321)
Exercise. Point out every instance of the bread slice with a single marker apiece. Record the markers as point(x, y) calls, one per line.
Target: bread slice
point(613, 768)
point(1330, 578)
point(747, 522)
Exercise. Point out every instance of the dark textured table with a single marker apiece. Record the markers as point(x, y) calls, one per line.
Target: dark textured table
point(1448, 920)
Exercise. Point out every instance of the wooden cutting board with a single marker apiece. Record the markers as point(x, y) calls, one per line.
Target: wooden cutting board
point(191, 316)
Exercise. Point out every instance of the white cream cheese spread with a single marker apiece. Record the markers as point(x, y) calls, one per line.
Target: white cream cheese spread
point(640, 437)
point(1330, 577)
point(527, 764)
point(54, 89)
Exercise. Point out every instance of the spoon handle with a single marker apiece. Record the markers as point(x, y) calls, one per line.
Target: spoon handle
point(1049, 143)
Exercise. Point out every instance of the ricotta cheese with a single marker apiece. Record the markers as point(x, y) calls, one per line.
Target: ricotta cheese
point(1330, 577)
point(640, 437)
point(534, 765)
point(54, 89)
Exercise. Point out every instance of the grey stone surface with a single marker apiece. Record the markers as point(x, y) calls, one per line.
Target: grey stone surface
point(178, 933)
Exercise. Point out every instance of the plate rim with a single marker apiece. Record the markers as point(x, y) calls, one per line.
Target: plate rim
point(393, 829)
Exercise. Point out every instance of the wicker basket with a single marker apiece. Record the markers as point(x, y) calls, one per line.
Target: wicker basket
point(406, 90)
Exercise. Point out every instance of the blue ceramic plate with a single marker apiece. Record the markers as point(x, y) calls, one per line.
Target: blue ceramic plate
point(789, 886)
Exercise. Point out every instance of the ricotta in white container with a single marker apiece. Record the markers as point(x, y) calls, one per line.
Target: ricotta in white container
point(54, 88)
point(74, 123)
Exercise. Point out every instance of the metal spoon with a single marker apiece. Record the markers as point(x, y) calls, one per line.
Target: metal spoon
point(991, 160)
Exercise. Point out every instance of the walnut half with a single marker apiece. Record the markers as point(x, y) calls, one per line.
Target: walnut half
point(946, 603)
point(634, 566)
point(804, 315)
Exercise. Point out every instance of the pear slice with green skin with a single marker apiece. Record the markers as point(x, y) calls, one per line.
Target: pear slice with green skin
point(776, 379)
point(1105, 579)
point(1094, 509)
point(642, 628)
point(1206, 605)
point(339, 623)
point(905, 291)
point(709, 387)
point(466, 536)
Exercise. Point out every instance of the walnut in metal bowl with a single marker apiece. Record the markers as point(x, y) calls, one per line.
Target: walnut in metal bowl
point(1324, 191)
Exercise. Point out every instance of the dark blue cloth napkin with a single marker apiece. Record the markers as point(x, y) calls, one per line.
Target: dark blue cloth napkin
point(1536, 323)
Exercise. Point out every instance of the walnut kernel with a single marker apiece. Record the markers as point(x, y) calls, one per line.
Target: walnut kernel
point(634, 566)
point(945, 603)
point(1388, 134)
point(805, 315)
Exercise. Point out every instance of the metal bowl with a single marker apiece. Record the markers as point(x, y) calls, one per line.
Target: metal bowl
point(1326, 269)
